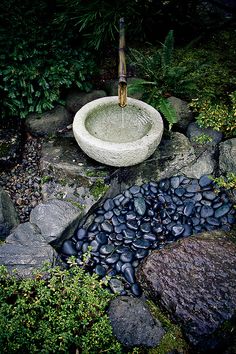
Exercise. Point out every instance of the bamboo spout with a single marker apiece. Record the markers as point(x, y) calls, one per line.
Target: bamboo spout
point(122, 87)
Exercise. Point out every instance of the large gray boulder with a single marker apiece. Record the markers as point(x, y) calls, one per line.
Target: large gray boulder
point(77, 99)
point(25, 250)
point(227, 158)
point(194, 131)
point(8, 215)
point(133, 324)
point(194, 280)
point(48, 123)
point(183, 113)
point(56, 219)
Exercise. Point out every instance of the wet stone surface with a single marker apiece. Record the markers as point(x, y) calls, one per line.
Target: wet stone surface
point(125, 229)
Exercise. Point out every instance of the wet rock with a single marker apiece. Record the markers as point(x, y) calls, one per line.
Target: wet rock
point(194, 131)
point(8, 215)
point(56, 219)
point(47, 124)
point(183, 112)
point(128, 316)
point(140, 205)
point(26, 250)
point(77, 99)
point(116, 285)
point(192, 295)
point(227, 157)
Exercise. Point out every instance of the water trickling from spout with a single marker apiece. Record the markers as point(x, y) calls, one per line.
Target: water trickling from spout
point(122, 118)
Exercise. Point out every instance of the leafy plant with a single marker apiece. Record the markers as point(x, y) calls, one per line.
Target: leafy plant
point(56, 311)
point(227, 182)
point(31, 79)
point(203, 139)
point(161, 78)
point(219, 116)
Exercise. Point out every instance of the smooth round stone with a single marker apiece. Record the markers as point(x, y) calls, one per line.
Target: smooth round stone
point(206, 211)
point(161, 238)
point(231, 219)
point(100, 270)
point(140, 243)
point(108, 204)
point(93, 227)
point(68, 248)
point(197, 197)
point(197, 229)
point(106, 249)
point(127, 194)
point(136, 290)
point(174, 182)
point(145, 227)
point(157, 228)
point(134, 190)
point(206, 202)
point(119, 228)
point(209, 195)
point(112, 273)
point(128, 241)
point(209, 227)
point(118, 266)
point(85, 247)
point(116, 285)
point(150, 213)
point(221, 211)
point(225, 228)
point(129, 274)
point(164, 185)
point(127, 256)
point(101, 238)
point(175, 217)
point(79, 245)
point(166, 221)
point(188, 208)
point(107, 226)
point(121, 219)
point(177, 230)
point(163, 214)
point(125, 201)
point(217, 205)
point(205, 181)
point(150, 237)
point(213, 221)
point(153, 190)
point(122, 249)
point(95, 245)
point(188, 230)
point(189, 195)
point(195, 220)
point(99, 219)
point(132, 224)
point(130, 215)
point(114, 220)
point(118, 243)
point(81, 234)
point(179, 191)
point(100, 211)
point(116, 211)
point(135, 263)
point(112, 237)
point(113, 258)
point(108, 215)
point(141, 253)
point(130, 234)
point(119, 237)
point(161, 199)
point(193, 188)
point(140, 206)
point(153, 184)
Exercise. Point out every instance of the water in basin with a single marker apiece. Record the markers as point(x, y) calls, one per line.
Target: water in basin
point(122, 125)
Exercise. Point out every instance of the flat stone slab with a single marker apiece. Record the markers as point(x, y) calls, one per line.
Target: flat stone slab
point(133, 323)
point(25, 250)
point(56, 220)
point(195, 281)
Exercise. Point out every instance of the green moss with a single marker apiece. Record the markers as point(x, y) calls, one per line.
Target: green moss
point(76, 204)
point(96, 173)
point(4, 149)
point(46, 179)
point(99, 188)
point(173, 338)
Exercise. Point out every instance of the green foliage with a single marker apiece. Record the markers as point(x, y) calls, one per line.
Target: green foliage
point(98, 188)
point(203, 139)
point(228, 182)
point(31, 79)
point(219, 116)
point(57, 311)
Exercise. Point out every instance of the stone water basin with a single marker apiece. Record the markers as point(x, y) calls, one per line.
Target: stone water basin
point(118, 136)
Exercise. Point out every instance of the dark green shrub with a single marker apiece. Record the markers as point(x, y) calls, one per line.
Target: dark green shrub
point(57, 311)
point(33, 75)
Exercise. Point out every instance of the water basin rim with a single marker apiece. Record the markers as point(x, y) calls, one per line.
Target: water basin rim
point(82, 114)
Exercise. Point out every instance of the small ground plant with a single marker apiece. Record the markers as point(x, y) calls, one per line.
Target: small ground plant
point(56, 311)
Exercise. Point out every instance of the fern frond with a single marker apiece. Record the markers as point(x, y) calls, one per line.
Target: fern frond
point(167, 50)
point(168, 111)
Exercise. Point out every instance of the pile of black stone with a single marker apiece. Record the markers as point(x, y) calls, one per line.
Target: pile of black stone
point(125, 229)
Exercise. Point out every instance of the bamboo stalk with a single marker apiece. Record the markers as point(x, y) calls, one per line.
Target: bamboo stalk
point(122, 88)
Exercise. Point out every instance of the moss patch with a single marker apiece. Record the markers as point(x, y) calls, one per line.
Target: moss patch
point(99, 188)
point(173, 339)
